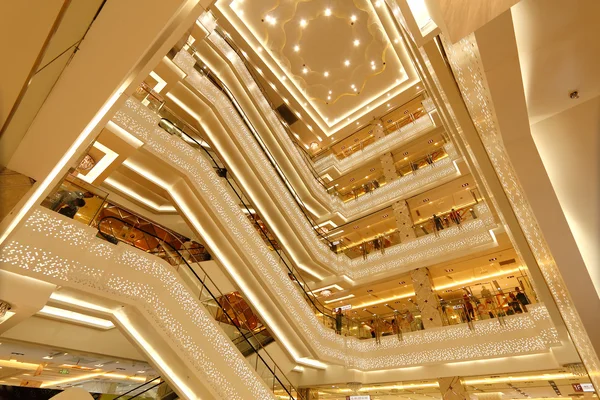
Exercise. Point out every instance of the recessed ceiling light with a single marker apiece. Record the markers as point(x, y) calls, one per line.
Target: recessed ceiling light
point(330, 92)
point(373, 67)
point(327, 12)
point(273, 86)
point(328, 97)
point(389, 94)
point(259, 49)
point(352, 86)
point(283, 78)
point(347, 63)
point(388, 104)
point(325, 74)
point(396, 40)
point(356, 42)
point(296, 48)
point(304, 70)
point(303, 23)
point(418, 87)
point(357, 123)
point(377, 3)
point(372, 62)
point(355, 89)
point(353, 18)
point(271, 20)
point(348, 119)
point(298, 114)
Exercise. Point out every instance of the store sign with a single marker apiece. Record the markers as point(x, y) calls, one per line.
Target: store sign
point(363, 397)
point(583, 387)
point(63, 371)
point(343, 308)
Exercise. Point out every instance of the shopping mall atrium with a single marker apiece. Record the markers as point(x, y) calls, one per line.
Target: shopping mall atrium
point(300, 199)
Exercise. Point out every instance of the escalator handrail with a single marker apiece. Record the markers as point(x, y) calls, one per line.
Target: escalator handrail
point(205, 287)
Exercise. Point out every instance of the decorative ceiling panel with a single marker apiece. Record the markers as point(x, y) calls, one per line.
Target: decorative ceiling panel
point(339, 59)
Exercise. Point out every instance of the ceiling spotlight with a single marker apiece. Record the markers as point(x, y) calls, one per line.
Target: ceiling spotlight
point(388, 95)
point(372, 62)
point(377, 3)
point(303, 23)
point(296, 48)
point(357, 123)
point(355, 89)
point(352, 86)
point(396, 40)
point(356, 43)
point(418, 87)
point(270, 20)
point(388, 104)
point(353, 18)
point(259, 49)
point(373, 67)
point(327, 12)
point(330, 92)
point(328, 97)
point(347, 62)
point(325, 74)
point(304, 70)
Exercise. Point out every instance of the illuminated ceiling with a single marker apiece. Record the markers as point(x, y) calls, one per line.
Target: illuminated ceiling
point(338, 59)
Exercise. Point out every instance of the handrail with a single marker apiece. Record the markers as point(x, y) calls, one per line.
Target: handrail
point(204, 288)
point(223, 88)
point(297, 277)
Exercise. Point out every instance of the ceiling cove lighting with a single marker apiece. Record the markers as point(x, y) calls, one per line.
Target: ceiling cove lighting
point(339, 299)
point(72, 316)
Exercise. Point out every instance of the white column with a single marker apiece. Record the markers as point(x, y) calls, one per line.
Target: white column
point(452, 388)
point(427, 300)
point(404, 221)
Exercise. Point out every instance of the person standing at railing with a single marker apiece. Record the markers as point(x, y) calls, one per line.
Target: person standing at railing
point(469, 310)
point(455, 217)
point(438, 223)
point(522, 298)
point(514, 304)
point(338, 321)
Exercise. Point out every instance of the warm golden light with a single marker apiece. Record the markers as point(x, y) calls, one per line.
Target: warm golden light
point(327, 12)
point(356, 43)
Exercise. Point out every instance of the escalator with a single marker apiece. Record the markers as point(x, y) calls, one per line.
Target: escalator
point(237, 326)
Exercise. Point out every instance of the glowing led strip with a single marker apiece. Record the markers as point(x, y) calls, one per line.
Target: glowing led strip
point(61, 313)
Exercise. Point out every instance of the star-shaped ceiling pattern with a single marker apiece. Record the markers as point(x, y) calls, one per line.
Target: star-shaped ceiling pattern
point(336, 54)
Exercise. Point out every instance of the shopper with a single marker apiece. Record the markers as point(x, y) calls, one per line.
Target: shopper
point(522, 298)
point(469, 310)
point(372, 329)
point(514, 304)
point(438, 222)
point(71, 208)
point(338, 321)
point(455, 216)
